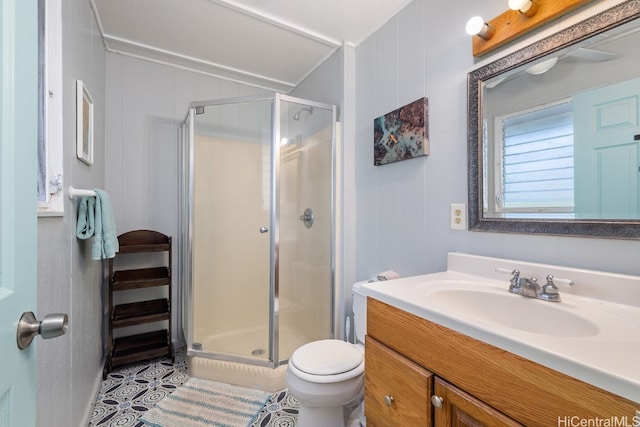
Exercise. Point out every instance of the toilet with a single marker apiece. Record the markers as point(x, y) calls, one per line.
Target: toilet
point(327, 375)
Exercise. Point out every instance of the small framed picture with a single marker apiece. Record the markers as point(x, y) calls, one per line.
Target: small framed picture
point(402, 134)
point(84, 123)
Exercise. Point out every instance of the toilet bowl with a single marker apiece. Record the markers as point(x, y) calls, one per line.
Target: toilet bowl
point(327, 375)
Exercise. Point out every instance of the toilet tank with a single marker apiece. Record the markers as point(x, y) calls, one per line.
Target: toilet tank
point(359, 311)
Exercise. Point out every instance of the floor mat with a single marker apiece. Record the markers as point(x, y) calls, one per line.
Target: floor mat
point(200, 403)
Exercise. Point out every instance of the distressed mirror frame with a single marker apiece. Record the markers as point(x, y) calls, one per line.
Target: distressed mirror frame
point(613, 229)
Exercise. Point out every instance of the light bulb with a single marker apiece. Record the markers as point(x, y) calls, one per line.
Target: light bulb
point(475, 25)
point(521, 5)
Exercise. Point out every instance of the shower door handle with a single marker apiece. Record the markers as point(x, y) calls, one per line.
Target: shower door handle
point(263, 230)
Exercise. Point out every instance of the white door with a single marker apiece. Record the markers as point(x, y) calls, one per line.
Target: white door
point(18, 130)
point(607, 152)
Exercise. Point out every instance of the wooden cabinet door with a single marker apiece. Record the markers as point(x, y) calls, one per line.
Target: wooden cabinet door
point(459, 409)
point(397, 390)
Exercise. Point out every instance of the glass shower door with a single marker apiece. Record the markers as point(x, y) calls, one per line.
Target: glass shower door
point(231, 188)
point(305, 261)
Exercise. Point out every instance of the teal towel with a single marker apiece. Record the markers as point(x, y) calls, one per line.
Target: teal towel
point(85, 226)
point(105, 239)
point(96, 219)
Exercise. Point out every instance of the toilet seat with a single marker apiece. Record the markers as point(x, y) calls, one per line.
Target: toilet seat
point(327, 361)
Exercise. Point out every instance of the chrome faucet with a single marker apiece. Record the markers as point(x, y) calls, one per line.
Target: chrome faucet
point(523, 286)
point(529, 287)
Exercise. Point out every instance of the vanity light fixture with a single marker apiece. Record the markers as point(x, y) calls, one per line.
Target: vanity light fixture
point(476, 26)
point(521, 17)
point(526, 7)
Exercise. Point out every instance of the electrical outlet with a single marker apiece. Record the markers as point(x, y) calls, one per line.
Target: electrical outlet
point(458, 216)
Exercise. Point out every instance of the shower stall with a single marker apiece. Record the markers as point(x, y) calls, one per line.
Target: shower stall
point(257, 233)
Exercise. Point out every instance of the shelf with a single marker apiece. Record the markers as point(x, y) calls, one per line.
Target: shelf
point(134, 348)
point(141, 312)
point(153, 247)
point(140, 347)
point(141, 278)
point(143, 241)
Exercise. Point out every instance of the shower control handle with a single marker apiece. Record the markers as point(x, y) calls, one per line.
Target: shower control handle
point(263, 230)
point(307, 217)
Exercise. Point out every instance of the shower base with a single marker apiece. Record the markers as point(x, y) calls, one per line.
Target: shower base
point(240, 374)
point(249, 343)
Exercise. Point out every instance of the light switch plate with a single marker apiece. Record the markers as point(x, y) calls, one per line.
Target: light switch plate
point(458, 216)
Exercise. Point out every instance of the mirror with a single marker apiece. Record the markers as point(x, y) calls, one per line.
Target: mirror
point(554, 133)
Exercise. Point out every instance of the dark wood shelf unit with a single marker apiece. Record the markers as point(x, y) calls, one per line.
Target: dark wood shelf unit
point(137, 313)
point(134, 348)
point(141, 278)
point(140, 347)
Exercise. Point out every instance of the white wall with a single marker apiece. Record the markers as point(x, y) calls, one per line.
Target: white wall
point(70, 367)
point(402, 215)
point(324, 84)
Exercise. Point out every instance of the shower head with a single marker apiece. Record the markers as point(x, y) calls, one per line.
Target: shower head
point(296, 116)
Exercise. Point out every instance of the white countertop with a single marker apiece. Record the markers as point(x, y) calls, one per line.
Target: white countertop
point(606, 355)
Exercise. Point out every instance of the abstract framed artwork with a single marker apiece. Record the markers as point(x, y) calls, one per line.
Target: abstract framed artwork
point(402, 134)
point(84, 123)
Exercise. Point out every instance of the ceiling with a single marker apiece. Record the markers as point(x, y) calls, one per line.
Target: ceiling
point(273, 44)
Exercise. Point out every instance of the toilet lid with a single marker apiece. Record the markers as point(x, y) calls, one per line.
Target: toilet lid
point(326, 357)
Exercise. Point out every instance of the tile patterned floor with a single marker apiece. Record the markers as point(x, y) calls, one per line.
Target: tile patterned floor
point(130, 391)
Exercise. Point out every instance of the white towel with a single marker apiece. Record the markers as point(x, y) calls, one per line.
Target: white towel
point(388, 275)
point(385, 275)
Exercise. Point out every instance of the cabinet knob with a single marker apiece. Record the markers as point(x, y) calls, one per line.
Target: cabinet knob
point(436, 401)
point(388, 400)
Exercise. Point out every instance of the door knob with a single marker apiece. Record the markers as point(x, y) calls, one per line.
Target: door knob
point(436, 401)
point(51, 326)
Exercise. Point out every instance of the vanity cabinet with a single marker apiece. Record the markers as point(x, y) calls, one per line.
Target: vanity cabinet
point(137, 347)
point(479, 384)
point(397, 390)
point(453, 407)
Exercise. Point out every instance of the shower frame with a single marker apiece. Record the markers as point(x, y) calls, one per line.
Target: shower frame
point(186, 216)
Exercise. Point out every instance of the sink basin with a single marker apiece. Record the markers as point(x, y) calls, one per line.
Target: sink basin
point(514, 312)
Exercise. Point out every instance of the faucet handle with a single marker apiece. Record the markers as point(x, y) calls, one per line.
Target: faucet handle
point(550, 290)
point(515, 283)
point(515, 280)
point(507, 271)
point(560, 281)
point(550, 287)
